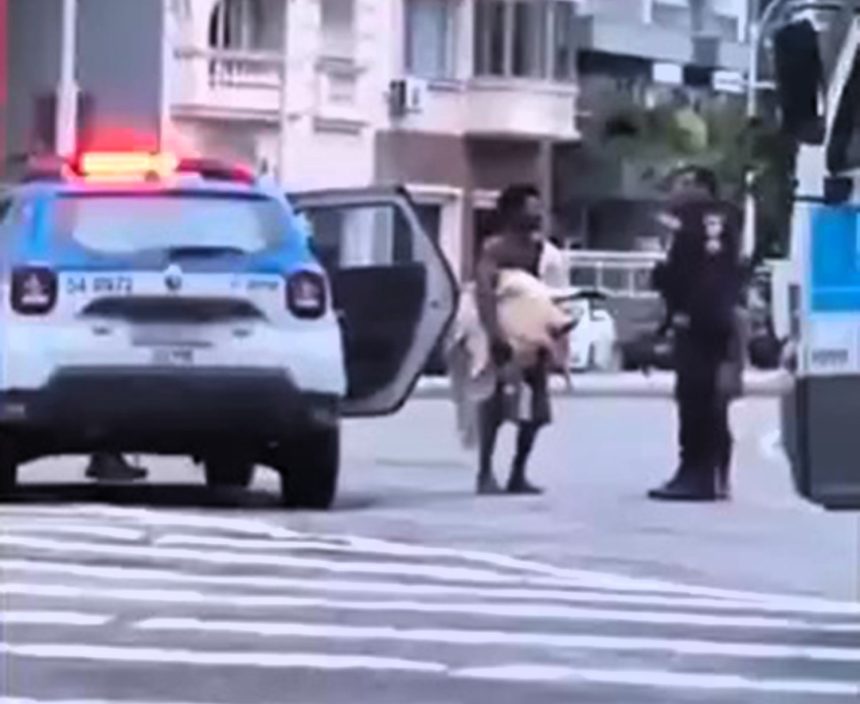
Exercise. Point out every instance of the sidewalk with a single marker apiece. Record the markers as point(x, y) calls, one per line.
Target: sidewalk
point(626, 385)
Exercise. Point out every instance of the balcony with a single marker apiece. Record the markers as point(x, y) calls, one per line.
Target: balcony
point(631, 36)
point(496, 107)
point(226, 83)
point(510, 107)
point(670, 32)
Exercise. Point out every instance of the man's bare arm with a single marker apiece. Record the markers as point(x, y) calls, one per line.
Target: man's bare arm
point(486, 280)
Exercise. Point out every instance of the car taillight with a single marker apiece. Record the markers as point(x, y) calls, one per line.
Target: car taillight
point(306, 295)
point(34, 290)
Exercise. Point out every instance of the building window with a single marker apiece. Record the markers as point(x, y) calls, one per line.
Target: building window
point(529, 40)
point(431, 38)
point(525, 39)
point(236, 24)
point(338, 27)
point(563, 42)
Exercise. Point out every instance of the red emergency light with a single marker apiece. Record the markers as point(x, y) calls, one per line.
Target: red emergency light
point(126, 165)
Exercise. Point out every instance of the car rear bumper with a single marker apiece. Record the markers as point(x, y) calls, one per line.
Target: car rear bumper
point(158, 410)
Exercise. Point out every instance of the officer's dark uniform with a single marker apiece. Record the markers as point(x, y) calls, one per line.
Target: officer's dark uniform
point(701, 283)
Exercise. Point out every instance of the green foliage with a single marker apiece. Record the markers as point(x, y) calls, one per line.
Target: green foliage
point(719, 136)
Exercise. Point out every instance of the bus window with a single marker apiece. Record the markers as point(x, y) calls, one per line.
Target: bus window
point(843, 153)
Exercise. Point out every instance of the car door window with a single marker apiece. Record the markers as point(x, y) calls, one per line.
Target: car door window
point(393, 289)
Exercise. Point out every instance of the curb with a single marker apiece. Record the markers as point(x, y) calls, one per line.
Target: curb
point(630, 385)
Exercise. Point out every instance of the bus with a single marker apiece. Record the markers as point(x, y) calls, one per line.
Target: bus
point(816, 52)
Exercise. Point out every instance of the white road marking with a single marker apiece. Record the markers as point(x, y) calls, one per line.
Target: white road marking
point(400, 589)
point(93, 531)
point(470, 609)
point(449, 636)
point(442, 573)
point(150, 517)
point(549, 576)
point(658, 679)
point(23, 700)
point(249, 659)
point(52, 618)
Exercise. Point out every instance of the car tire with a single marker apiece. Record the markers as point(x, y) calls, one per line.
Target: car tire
point(228, 472)
point(309, 466)
point(615, 362)
point(8, 467)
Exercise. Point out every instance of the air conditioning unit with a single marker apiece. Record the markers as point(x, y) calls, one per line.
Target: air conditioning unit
point(407, 96)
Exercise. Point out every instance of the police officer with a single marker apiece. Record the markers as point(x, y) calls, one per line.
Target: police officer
point(701, 283)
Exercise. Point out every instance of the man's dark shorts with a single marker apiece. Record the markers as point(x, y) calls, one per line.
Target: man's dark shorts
point(526, 401)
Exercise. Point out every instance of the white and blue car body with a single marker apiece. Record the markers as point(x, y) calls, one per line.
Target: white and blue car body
point(157, 305)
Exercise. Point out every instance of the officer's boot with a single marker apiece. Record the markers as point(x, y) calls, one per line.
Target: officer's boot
point(690, 483)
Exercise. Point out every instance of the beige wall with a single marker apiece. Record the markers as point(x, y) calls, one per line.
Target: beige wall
point(463, 164)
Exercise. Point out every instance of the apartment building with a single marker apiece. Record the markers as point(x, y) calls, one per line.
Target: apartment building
point(640, 55)
point(453, 98)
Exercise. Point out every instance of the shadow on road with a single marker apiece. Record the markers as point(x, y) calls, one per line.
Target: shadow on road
point(145, 494)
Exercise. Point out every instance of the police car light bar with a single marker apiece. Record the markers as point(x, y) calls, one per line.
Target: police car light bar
point(129, 166)
point(126, 164)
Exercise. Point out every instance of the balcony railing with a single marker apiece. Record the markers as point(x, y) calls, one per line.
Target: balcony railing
point(226, 79)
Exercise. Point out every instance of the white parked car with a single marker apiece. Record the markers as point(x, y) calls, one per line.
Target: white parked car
point(594, 340)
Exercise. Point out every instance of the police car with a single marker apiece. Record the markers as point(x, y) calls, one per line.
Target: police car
point(161, 305)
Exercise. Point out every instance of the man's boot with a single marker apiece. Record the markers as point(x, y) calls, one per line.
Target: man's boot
point(688, 484)
point(519, 484)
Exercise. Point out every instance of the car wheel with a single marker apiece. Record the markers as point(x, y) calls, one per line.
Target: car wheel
point(8, 467)
point(615, 361)
point(226, 471)
point(309, 466)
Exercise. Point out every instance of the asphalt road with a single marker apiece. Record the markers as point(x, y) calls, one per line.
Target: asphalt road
point(414, 590)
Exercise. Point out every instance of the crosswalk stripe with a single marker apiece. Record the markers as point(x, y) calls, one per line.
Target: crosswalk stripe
point(401, 589)
point(469, 609)
point(52, 618)
point(429, 572)
point(159, 558)
point(24, 700)
point(161, 518)
point(93, 531)
point(541, 574)
point(530, 673)
point(442, 573)
point(249, 659)
point(659, 679)
point(450, 636)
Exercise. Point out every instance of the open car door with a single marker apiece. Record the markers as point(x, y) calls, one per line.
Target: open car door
point(393, 290)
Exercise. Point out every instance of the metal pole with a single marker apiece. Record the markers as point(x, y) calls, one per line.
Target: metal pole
point(67, 90)
point(750, 210)
point(284, 122)
point(758, 25)
point(167, 64)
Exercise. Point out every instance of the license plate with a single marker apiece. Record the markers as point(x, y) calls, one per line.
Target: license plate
point(173, 356)
point(168, 336)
